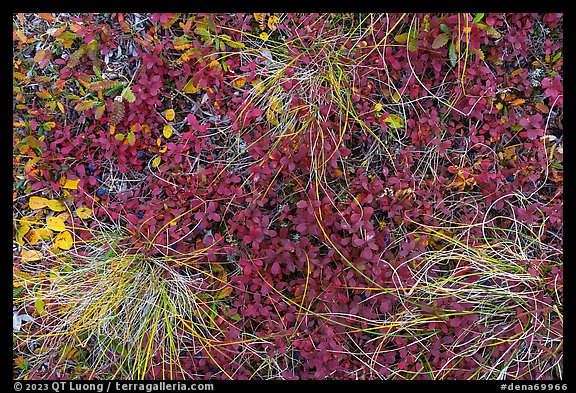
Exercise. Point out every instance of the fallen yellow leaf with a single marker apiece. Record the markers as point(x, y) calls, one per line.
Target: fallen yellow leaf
point(156, 162)
point(224, 293)
point(20, 232)
point(37, 202)
point(55, 205)
point(56, 224)
point(167, 131)
point(31, 255)
point(170, 114)
point(71, 184)
point(35, 235)
point(84, 212)
point(64, 240)
point(190, 88)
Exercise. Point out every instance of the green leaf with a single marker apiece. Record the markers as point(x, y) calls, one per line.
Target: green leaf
point(445, 29)
point(478, 17)
point(97, 71)
point(557, 57)
point(128, 95)
point(413, 33)
point(233, 44)
point(440, 41)
point(492, 32)
point(16, 292)
point(202, 31)
point(452, 54)
point(557, 165)
point(401, 38)
point(39, 306)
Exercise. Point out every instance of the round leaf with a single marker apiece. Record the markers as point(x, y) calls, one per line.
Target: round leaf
point(170, 114)
point(64, 241)
point(56, 223)
point(83, 212)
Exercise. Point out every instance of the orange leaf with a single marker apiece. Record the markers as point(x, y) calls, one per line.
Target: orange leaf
point(240, 82)
point(517, 102)
point(517, 71)
point(47, 16)
point(542, 108)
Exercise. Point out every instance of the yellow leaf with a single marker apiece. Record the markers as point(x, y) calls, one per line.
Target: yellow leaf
point(39, 306)
point(401, 38)
point(378, 107)
point(517, 71)
point(83, 212)
point(224, 293)
point(37, 202)
point(264, 36)
point(20, 232)
point(156, 162)
point(35, 235)
point(63, 241)
point(56, 224)
point(190, 88)
point(55, 205)
point(170, 114)
point(163, 149)
point(240, 82)
point(259, 16)
point(31, 255)
point(272, 22)
point(394, 121)
point(63, 216)
point(130, 138)
point(272, 117)
point(71, 184)
point(167, 131)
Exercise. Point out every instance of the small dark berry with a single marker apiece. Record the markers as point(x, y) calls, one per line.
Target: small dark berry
point(510, 179)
